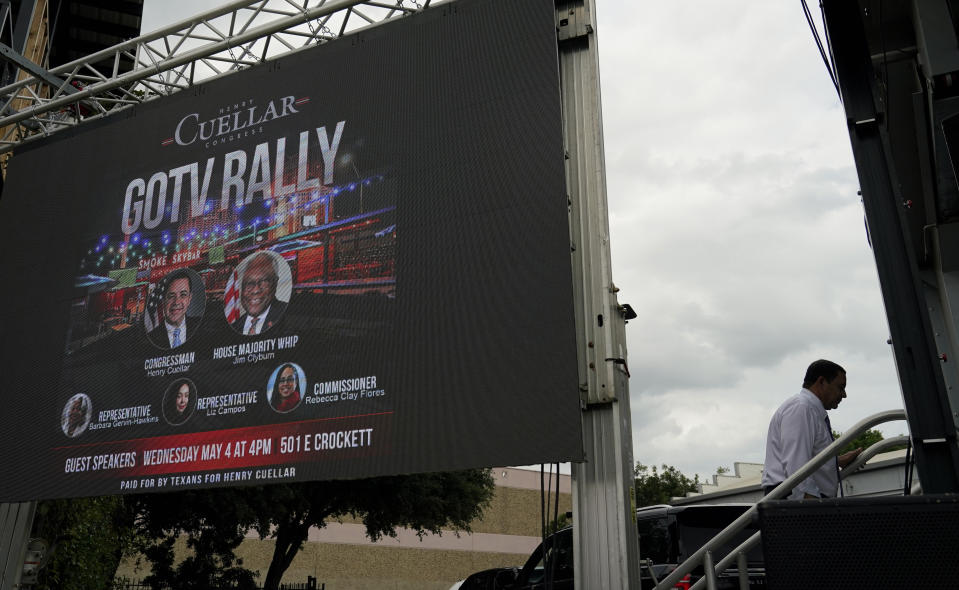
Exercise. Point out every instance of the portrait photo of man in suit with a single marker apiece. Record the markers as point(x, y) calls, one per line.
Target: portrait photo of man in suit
point(258, 287)
point(174, 297)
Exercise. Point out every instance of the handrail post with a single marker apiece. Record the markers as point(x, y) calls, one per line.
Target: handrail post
point(709, 571)
point(648, 564)
point(743, 566)
point(743, 548)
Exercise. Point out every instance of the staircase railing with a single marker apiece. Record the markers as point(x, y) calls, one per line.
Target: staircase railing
point(704, 553)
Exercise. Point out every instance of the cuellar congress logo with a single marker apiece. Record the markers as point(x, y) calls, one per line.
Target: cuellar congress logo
point(253, 171)
point(233, 121)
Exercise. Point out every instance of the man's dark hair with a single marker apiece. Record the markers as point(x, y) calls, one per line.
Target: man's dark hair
point(179, 273)
point(821, 368)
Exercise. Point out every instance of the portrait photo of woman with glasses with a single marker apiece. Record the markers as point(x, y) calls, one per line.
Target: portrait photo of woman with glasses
point(284, 388)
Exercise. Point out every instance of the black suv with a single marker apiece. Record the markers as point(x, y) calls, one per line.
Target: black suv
point(668, 535)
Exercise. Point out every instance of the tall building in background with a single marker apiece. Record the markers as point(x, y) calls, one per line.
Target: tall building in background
point(47, 33)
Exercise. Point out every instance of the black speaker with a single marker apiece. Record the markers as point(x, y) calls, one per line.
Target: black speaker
point(888, 542)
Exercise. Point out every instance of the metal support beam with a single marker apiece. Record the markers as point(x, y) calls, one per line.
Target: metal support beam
point(22, 29)
point(917, 361)
point(16, 521)
point(606, 545)
point(14, 57)
point(233, 37)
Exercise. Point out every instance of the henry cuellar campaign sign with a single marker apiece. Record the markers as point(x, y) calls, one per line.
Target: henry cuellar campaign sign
point(348, 262)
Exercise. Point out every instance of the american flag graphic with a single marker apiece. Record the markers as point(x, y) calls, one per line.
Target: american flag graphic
point(155, 304)
point(231, 298)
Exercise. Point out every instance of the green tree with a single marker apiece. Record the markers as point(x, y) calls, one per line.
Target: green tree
point(87, 538)
point(213, 524)
point(215, 521)
point(655, 486)
point(865, 440)
point(561, 522)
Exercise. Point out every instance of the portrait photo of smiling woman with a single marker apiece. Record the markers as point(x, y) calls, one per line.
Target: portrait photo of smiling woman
point(179, 401)
point(285, 387)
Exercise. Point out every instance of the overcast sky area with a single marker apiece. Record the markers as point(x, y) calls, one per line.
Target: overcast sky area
point(736, 231)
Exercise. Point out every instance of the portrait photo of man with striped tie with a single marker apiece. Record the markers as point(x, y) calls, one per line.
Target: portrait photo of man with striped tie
point(175, 308)
point(264, 286)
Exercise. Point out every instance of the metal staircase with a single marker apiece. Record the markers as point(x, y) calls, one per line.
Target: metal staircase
point(704, 556)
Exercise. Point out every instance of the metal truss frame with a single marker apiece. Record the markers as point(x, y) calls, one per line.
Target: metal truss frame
point(235, 36)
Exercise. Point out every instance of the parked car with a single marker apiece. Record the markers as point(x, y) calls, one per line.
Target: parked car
point(668, 535)
point(555, 572)
point(498, 578)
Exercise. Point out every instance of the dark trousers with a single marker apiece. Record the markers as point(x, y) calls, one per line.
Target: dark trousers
point(768, 489)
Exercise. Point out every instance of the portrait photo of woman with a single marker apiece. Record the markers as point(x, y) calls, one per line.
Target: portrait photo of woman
point(285, 386)
point(179, 401)
point(76, 415)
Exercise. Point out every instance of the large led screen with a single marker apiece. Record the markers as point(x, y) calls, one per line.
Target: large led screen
point(349, 262)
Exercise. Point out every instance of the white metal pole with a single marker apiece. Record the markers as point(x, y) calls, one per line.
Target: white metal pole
point(606, 546)
point(16, 521)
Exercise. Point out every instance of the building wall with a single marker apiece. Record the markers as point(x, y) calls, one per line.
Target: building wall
point(361, 567)
point(883, 475)
point(342, 557)
point(36, 51)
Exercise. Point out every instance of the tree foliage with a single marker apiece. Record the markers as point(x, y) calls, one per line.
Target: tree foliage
point(865, 440)
point(658, 485)
point(560, 522)
point(214, 522)
point(86, 539)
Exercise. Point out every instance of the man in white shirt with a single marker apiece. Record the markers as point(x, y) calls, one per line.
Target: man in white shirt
point(800, 430)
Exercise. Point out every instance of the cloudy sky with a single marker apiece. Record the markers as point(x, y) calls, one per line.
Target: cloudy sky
point(736, 231)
